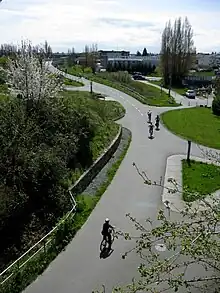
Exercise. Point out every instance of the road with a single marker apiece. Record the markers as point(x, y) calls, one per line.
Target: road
point(79, 269)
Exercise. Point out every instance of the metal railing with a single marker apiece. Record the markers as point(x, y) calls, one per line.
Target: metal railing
point(43, 243)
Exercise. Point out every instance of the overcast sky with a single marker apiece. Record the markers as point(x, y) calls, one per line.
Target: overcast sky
point(112, 24)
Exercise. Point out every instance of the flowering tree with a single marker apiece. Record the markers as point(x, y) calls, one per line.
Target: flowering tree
point(177, 253)
point(28, 74)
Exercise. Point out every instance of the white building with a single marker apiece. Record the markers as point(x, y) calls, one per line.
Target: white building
point(203, 60)
point(207, 60)
point(215, 59)
point(132, 59)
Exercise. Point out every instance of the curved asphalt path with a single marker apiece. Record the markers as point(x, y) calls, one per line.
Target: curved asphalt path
point(79, 269)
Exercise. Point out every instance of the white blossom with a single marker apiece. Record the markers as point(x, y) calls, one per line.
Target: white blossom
point(29, 75)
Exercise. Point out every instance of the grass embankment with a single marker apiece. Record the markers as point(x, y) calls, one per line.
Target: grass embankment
point(144, 93)
point(109, 111)
point(196, 124)
point(73, 82)
point(86, 203)
point(100, 116)
point(199, 180)
point(179, 90)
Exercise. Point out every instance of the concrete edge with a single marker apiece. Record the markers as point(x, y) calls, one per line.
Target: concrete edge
point(174, 170)
point(87, 177)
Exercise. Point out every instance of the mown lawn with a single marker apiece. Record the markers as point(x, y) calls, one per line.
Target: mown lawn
point(196, 124)
point(199, 180)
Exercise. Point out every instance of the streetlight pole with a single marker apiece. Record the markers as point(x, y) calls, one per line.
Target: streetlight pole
point(188, 152)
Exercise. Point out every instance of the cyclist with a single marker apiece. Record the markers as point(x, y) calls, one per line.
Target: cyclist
point(149, 113)
point(157, 119)
point(106, 233)
point(151, 129)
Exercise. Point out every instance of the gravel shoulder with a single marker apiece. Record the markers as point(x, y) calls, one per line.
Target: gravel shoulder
point(102, 176)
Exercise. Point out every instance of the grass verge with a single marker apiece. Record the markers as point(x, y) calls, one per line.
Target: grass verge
point(26, 275)
point(197, 124)
point(144, 93)
point(179, 90)
point(199, 180)
point(157, 82)
point(72, 82)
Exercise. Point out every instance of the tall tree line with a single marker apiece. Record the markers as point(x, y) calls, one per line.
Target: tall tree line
point(177, 51)
point(91, 56)
point(11, 50)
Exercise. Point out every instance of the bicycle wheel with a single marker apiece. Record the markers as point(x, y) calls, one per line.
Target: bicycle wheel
point(103, 244)
point(112, 235)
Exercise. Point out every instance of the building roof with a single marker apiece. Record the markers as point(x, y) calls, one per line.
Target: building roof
point(113, 51)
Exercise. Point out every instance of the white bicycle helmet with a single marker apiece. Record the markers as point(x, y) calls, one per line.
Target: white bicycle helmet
point(107, 220)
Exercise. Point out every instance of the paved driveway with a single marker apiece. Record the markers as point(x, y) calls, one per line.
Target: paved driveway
point(79, 269)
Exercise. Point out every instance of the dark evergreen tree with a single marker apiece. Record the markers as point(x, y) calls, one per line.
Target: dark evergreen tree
point(144, 52)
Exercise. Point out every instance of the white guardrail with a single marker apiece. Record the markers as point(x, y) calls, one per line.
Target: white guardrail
point(43, 243)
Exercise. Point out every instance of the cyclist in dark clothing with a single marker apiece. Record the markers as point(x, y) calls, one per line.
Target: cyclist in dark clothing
point(151, 129)
point(149, 114)
point(106, 233)
point(157, 119)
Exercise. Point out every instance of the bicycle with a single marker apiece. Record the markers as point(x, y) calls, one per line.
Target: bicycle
point(157, 125)
point(151, 131)
point(104, 241)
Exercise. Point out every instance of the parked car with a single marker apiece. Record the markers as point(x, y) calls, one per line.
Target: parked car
point(138, 77)
point(191, 94)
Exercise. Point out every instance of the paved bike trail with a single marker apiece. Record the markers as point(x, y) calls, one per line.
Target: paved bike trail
point(79, 269)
